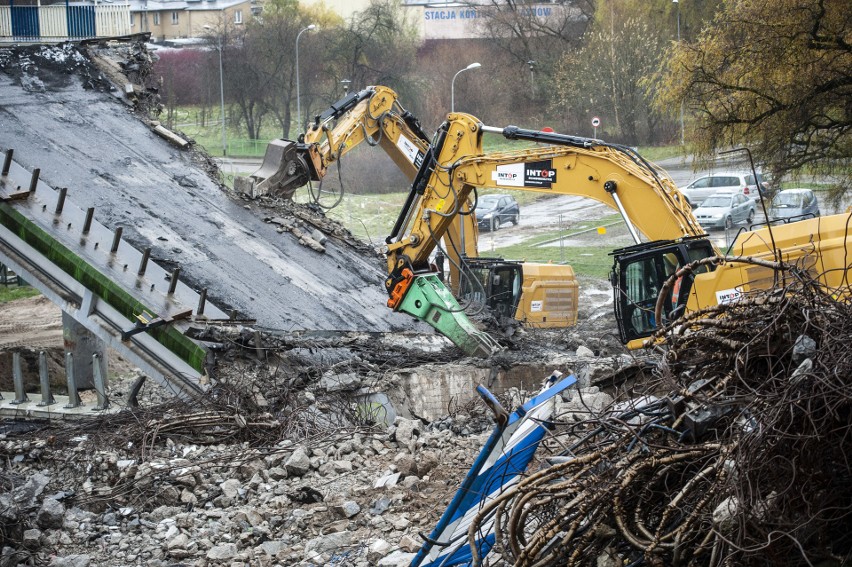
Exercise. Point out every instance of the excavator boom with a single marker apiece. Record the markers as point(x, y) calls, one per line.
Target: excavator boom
point(647, 200)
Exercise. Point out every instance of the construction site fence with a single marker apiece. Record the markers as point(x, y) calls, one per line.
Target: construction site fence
point(60, 22)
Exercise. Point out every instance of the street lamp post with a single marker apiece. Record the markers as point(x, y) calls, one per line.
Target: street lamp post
point(221, 90)
point(453, 84)
point(298, 94)
point(682, 137)
point(532, 64)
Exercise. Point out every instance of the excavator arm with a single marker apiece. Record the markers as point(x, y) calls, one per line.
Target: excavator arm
point(647, 200)
point(613, 175)
point(373, 115)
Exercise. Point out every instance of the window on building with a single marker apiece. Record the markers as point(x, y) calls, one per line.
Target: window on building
point(131, 21)
point(174, 18)
point(156, 18)
point(238, 16)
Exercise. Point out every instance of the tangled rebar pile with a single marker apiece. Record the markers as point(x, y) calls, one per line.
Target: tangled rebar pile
point(744, 460)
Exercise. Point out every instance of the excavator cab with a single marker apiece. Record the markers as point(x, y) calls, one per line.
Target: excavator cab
point(637, 278)
point(493, 282)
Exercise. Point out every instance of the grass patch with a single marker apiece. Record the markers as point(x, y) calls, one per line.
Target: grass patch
point(209, 134)
point(587, 259)
point(658, 153)
point(592, 261)
point(11, 293)
point(369, 217)
point(813, 185)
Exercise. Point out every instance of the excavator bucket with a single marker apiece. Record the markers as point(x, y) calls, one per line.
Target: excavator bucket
point(285, 168)
point(429, 300)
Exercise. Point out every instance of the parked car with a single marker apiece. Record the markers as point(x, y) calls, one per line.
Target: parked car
point(710, 184)
point(492, 211)
point(792, 203)
point(724, 209)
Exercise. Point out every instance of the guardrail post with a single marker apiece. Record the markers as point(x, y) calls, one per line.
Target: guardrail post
point(202, 300)
point(116, 240)
point(18, 379)
point(7, 162)
point(46, 396)
point(34, 179)
point(60, 201)
point(174, 280)
point(87, 224)
point(73, 396)
point(100, 385)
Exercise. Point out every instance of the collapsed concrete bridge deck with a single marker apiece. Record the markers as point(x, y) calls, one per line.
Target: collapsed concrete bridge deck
point(85, 142)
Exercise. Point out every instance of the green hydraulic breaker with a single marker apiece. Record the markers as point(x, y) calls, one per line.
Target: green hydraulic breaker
point(429, 300)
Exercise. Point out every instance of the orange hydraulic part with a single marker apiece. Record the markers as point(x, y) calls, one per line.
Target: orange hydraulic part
point(400, 287)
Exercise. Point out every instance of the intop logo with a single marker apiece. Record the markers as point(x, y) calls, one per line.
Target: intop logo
point(540, 174)
point(543, 173)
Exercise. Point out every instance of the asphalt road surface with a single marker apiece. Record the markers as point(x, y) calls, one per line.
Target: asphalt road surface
point(89, 141)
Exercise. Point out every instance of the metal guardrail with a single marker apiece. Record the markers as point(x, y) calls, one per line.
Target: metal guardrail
point(103, 283)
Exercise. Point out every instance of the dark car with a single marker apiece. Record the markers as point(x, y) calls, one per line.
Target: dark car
point(492, 211)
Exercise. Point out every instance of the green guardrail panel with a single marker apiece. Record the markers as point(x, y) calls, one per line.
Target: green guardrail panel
point(106, 289)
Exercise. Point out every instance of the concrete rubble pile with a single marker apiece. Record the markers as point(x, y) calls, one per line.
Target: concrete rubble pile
point(237, 480)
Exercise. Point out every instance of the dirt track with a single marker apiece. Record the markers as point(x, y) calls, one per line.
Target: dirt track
point(34, 322)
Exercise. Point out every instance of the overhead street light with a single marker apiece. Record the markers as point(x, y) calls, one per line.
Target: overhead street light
point(453, 84)
point(298, 94)
point(221, 89)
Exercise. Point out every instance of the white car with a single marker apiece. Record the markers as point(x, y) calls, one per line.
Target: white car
point(734, 182)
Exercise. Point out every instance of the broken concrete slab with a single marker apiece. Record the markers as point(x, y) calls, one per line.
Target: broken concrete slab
point(81, 137)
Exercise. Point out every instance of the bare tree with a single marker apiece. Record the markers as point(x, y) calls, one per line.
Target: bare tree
point(607, 78)
point(379, 46)
point(775, 76)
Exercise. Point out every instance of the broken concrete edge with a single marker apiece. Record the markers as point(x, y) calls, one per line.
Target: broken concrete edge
point(315, 240)
point(167, 134)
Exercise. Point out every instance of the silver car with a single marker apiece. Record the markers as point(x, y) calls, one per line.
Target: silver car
point(734, 182)
point(795, 204)
point(725, 209)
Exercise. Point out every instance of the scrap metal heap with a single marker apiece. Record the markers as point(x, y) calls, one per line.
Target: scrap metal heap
point(744, 462)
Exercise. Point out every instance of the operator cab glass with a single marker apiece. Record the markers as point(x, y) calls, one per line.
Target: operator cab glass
point(497, 285)
point(638, 276)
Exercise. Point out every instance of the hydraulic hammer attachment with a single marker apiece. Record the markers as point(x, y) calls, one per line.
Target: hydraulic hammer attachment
point(287, 165)
point(429, 300)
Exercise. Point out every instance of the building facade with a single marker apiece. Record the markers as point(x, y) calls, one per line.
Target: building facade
point(167, 20)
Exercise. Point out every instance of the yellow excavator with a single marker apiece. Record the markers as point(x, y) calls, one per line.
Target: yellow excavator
point(537, 295)
point(615, 175)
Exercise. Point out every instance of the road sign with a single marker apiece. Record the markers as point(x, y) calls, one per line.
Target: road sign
point(595, 123)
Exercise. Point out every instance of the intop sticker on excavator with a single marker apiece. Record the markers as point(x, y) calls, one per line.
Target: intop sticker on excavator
point(532, 174)
point(410, 150)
